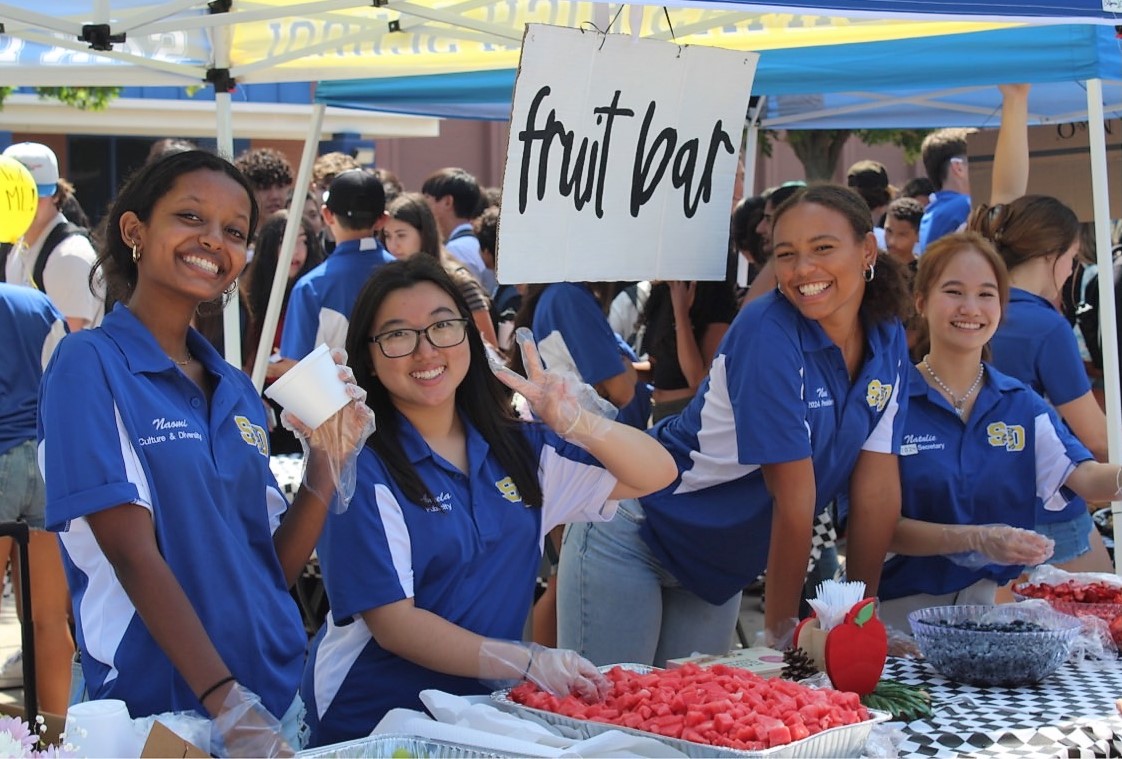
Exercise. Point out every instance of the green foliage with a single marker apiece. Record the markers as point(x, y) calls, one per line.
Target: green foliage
point(82, 98)
point(820, 149)
point(907, 139)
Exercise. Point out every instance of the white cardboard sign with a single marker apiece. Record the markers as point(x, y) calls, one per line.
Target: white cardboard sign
point(622, 158)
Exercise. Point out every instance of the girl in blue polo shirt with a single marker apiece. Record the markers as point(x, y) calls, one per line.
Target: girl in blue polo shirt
point(803, 399)
point(982, 451)
point(1038, 238)
point(430, 572)
point(156, 461)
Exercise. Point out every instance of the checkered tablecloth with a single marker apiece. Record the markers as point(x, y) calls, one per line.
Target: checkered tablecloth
point(288, 469)
point(1070, 714)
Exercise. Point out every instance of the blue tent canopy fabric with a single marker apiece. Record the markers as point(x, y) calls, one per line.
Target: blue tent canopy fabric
point(917, 82)
point(1108, 12)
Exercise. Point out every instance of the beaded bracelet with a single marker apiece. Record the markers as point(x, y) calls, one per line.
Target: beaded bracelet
point(216, 686)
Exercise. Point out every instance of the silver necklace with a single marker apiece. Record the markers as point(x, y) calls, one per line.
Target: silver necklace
point(188, 360)
point(959, 404)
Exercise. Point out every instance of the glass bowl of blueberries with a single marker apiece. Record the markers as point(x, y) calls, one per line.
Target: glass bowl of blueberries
point(1005, 645)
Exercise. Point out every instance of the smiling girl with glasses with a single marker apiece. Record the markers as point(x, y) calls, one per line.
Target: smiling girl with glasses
point(431, 570)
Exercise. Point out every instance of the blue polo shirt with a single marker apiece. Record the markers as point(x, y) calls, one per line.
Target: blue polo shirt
point(1036, 345)
point(119, 423)
point(778, 391)
point(1010, 458)
point(943, 215)
point(320, 305)
point(470, 557)
point(30, 328)
point(567, 315)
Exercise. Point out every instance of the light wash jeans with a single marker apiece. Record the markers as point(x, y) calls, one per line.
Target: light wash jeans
point(616, 603)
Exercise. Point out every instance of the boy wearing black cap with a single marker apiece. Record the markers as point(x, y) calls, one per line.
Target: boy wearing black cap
point(320, 306)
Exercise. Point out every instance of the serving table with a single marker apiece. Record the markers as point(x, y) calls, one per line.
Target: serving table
point(1070, 714)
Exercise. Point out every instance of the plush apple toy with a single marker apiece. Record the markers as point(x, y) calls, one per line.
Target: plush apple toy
point(856, 649)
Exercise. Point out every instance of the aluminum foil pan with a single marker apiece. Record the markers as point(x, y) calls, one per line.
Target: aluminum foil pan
point(844, 741)
point(399, 747)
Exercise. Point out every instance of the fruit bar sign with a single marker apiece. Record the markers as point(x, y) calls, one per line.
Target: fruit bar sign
point(622, 157)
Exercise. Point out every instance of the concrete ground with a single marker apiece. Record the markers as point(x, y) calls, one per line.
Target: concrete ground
point(9, 642)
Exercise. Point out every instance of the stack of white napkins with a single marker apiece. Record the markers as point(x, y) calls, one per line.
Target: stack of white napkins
point(473, 721)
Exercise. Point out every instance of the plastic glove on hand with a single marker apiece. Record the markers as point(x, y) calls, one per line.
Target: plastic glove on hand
point(557, 671)
point(900, 644)
point(561, 672)
point(337, 441)
point(244, 727)
point(571, 408)
point(1000, 544)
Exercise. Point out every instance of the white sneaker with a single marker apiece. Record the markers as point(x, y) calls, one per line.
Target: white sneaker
point(11, 673)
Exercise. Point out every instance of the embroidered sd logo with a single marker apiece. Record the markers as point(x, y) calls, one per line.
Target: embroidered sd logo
point(877, 394)
point(1011, 437)
point(253, 434)
point(508, 490)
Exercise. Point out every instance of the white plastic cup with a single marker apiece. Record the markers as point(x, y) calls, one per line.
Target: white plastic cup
point(311, 390)
point(101, 729)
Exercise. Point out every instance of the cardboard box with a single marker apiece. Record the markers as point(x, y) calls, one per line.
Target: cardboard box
point(163, 742)
point(765, 662)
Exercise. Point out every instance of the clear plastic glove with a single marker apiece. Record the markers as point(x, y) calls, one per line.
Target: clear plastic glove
point(980, 545)
point(900, 644)
point(571, 408)
point(335, 444)
point(781, 638)
point(244, 727)
point(556, 670)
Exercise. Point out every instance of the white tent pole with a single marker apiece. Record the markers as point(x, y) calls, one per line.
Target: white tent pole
point(231, 314)
point(1108, 328)
point(752, 146)
point(288, 243)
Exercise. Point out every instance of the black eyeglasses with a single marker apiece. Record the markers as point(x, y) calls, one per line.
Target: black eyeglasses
point(446, 333)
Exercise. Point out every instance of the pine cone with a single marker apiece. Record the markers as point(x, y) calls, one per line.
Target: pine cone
point(797, 665)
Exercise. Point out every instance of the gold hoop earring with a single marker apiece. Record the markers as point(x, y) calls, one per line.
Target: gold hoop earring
point(135, 253)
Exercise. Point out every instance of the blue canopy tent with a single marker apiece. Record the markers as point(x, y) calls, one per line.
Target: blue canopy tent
point(1036, 11)
point(944, 80)
point(1075, 65)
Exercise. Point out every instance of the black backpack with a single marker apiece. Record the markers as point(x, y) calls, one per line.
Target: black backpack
point(1084, 311)
point(58, 233)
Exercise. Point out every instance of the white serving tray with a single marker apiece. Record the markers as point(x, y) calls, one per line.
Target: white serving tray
point(843, 741)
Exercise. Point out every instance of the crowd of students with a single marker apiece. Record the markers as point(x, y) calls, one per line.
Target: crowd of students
point(673, 453)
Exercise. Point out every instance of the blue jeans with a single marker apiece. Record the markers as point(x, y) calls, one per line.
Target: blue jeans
point(23, 496)
point(1073, 537)
point(616, 603)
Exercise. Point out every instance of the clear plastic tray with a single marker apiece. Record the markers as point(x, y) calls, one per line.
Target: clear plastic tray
point(844, 741)
point(398, 746)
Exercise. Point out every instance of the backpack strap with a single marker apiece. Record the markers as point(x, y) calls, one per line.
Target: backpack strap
point(462, 233)
point(60, 232)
